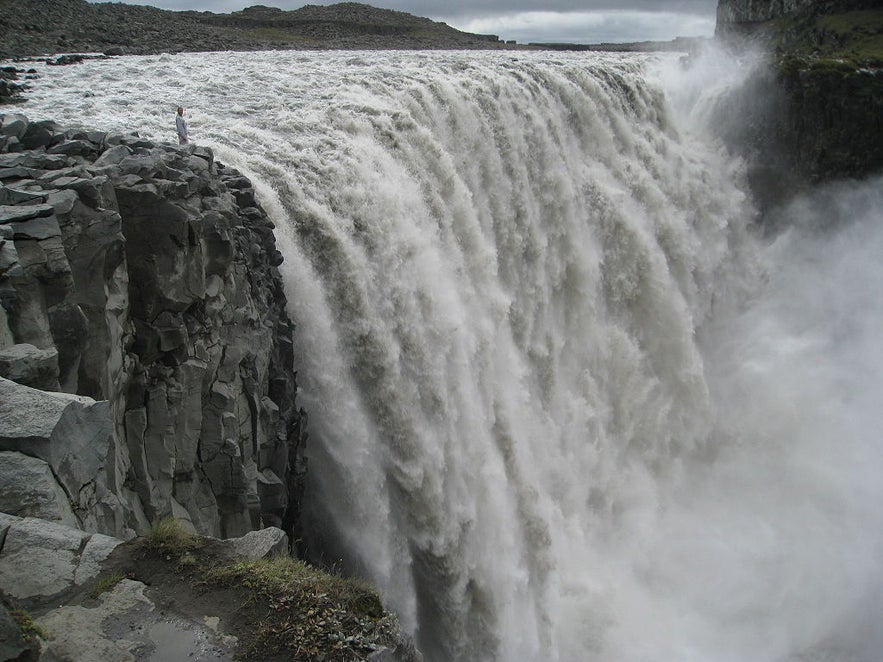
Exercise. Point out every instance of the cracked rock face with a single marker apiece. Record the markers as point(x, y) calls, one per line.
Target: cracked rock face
point(31, 489)
point(143, 277)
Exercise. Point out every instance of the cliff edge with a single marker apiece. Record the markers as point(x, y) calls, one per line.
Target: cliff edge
point(146, 361)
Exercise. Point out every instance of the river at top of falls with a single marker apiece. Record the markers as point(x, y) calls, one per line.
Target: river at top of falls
point(564, 405)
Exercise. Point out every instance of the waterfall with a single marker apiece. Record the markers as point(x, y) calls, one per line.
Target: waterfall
point(563, 404)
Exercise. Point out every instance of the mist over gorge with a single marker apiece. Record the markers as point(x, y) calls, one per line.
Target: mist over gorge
point(579, 387)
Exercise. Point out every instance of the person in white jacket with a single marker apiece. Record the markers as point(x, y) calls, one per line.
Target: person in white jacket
point(181, 126)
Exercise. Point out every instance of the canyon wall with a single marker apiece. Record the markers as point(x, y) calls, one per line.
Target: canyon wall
point(145, 351)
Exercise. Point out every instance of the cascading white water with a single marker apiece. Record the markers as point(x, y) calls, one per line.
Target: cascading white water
point(563, 406)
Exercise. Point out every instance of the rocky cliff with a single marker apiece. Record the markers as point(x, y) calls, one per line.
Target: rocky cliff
point(741, 15)
point(146, 365)
point(814, 112)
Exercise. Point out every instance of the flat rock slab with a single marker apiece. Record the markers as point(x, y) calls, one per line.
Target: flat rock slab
point(12, 197)
point(18, 213)
point(42, 562)
point(43, 227)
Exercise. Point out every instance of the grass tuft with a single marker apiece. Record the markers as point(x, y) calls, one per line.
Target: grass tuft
point(106, 584)
point(168, 536)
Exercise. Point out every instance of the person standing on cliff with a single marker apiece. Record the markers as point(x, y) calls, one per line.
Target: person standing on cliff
point(181, 126)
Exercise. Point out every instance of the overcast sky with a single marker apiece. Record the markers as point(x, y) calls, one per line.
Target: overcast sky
point(578, 21)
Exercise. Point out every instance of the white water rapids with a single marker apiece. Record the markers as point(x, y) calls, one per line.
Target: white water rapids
point(564, 404)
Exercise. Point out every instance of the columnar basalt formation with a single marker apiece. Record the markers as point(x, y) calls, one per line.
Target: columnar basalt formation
point(143, 279)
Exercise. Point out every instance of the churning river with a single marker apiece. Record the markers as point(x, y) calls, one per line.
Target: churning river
point(566, 403)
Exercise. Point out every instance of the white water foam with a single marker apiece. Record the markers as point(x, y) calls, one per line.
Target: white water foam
point(555, 412)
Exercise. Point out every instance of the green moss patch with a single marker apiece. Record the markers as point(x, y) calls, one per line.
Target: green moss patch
point(854, 37)
point(29, 629)
point(168, 536)
point(106, 584)
point(853, 24)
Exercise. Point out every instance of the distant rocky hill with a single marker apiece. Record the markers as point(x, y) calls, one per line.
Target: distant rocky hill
point(39, 27)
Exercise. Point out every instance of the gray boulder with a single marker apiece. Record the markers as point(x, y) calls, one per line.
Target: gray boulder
point(74, 436)
point(13, 125)
point(28, 489)
point(41, 559)
point(48, 568)
point(259, 544)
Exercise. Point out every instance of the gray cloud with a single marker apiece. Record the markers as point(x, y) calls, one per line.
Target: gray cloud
point(458, 7)
point(590, 27)
point(510, 6)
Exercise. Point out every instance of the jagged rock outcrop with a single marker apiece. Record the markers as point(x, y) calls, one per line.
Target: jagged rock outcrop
point(735, 12)
point(10, 88)
point(144, 278)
